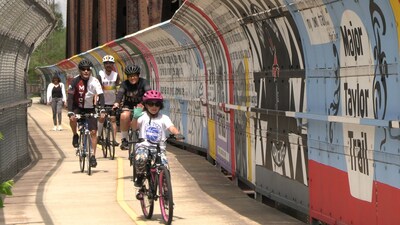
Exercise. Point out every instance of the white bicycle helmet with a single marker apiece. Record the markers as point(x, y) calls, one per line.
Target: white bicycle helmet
point(108, 58)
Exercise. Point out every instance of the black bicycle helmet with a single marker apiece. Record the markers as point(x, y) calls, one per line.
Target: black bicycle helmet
point(132, 69)
point(85, 64)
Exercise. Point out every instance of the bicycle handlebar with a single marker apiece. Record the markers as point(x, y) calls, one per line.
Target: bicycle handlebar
point(86, 115)
point(171, 136)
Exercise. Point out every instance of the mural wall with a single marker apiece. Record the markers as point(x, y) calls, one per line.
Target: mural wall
point(297, 99)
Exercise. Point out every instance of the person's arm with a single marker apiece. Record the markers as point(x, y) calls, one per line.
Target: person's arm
point(101, 100)
point(118, 81)
point(64, 96)
point(71, 92)
point(120, 95)
point(99, 92)
point(49, 89)
point(174, 130)
point(137, 113)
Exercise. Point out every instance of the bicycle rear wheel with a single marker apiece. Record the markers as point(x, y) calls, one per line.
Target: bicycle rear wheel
point(104, 139)
point(81, 153)
point(165, 193)
point(88, 153)
point(147, 200)
point(110, 140)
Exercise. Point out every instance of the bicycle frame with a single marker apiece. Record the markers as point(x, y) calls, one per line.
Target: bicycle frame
point(85, 141)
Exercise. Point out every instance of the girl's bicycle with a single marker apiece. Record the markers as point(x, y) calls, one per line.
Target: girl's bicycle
point(84, 141)
point(108, 137)
point(156, 184)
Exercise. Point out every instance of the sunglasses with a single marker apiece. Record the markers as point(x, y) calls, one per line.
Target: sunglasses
point(133, 75)
point(151, 104)
point(85, 69)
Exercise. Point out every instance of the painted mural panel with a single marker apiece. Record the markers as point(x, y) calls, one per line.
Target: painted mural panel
point(278, 62)
point(359, 73)
point(216, 58)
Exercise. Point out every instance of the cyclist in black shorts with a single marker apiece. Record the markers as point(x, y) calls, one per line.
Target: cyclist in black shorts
point(81, 94)
point(130, 92)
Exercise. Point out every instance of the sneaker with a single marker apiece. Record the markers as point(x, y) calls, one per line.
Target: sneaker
point(139, 180)
point(93, 161)
point(59, 128)
point(99, 140)
point(55, 128)
point(115, 143)
point(124, 144)
point(75, 140)
point(77, 152)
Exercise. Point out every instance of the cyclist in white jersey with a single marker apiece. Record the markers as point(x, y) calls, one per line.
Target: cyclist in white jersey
point(109, 80)
point(82, 91)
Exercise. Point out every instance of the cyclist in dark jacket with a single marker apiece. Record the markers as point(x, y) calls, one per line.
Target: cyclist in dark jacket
point(130, 93)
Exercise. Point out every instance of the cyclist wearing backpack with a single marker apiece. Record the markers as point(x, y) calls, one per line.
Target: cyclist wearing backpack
point(131, 92)
point(152, 126)
point(81, 94)
point(109, 80)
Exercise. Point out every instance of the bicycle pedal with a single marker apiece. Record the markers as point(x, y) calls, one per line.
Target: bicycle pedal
point(139, 196)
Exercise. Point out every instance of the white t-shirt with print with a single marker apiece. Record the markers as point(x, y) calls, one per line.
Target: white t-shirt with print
point(154, 129)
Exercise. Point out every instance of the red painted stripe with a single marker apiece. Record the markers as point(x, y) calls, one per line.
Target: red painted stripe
point(230, 79)
point(331, 201)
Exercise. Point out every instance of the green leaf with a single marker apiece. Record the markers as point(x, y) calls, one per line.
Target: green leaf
point(1, 136)
point(5, 187)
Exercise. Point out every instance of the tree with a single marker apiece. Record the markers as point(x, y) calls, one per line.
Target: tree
point(51, 50)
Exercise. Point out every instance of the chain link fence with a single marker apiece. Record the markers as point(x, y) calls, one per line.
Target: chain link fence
point(24, 25)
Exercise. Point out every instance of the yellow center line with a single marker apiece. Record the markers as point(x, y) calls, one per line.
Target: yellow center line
point(120, 193)
point(120, 185)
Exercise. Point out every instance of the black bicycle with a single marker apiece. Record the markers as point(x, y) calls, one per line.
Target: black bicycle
point(84, 141)
point(108, 136)
point(156, 184)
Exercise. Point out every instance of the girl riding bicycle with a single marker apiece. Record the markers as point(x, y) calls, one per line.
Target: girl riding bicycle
point(152, 126)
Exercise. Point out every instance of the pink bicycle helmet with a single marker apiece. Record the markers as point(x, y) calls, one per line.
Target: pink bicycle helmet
point(152, 95)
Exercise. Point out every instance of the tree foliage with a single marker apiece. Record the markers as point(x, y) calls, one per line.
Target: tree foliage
point(51, 51)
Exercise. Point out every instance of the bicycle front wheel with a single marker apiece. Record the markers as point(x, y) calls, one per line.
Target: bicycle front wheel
point(146, 197)
point(89, 153)
point(81, 153)
point(131, 147)
point(165, 193)
point(104, 141)
point(111, 140)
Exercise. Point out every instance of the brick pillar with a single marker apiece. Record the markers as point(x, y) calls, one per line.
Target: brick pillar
point(72, 27)
point(85, 32)
point(107, 20)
